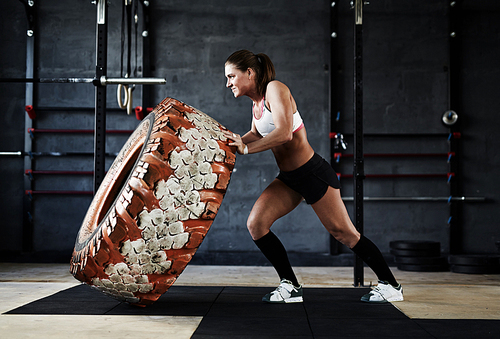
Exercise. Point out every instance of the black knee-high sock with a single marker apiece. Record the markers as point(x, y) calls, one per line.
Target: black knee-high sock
point(275, 252)
point(371, 255)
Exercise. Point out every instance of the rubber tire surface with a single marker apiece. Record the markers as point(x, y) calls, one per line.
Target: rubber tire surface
point(155, 204)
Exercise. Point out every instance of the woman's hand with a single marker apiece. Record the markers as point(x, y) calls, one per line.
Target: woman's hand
point(236, 142)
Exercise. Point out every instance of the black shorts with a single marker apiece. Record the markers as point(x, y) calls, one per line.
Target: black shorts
point(312, 179)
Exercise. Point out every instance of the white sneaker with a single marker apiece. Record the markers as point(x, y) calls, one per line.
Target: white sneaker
point(383, 293)
point(285, 293)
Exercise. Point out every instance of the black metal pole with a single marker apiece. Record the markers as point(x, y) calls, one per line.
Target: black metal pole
point(100, 93)
point(28, 228)
point(334, 94)
point(128, 11)
point(358, 133)
point(146, 53)
point(456, 217)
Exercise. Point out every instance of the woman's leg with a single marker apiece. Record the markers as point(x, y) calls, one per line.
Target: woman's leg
point(276, 201)
point(333, 215)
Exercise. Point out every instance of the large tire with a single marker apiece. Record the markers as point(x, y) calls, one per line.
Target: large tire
point(155, 204)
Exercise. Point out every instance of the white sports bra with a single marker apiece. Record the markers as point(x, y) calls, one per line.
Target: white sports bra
point(265, 124)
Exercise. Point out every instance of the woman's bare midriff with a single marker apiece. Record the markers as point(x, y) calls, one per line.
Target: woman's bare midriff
point(294, 153)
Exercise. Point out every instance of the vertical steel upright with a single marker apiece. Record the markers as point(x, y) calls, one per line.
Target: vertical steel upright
point(100, 93)
point(456, 216)
point(359, 172)
point(28, 144)
point(146, 59)
point(334, 94)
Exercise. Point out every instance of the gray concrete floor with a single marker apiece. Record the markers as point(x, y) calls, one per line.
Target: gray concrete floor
point(442, 295)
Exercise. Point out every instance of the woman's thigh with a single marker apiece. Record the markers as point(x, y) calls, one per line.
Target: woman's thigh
point(275, 201)
point(332, 213)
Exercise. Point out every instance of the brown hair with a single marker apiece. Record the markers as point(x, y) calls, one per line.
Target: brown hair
point(260, 63)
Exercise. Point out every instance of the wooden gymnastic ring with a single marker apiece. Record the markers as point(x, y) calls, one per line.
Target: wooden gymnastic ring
point(155, 204)
point(122, 103)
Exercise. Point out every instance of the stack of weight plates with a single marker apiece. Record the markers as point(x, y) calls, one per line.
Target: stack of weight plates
point(475, 264)
point(418, 256)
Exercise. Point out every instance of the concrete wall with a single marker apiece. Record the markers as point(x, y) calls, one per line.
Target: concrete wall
point(406, 87)
point(13, 64)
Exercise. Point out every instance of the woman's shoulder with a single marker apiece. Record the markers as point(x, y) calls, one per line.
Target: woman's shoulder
point(276, 87)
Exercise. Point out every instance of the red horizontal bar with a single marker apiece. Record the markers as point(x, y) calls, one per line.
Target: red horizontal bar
point(81, 131)
point(400, 135)
point(28, 172)
point(423, 175)
point(30, 192)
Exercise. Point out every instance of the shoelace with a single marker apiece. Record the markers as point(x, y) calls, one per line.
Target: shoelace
point(377, 290)
point(278, 290)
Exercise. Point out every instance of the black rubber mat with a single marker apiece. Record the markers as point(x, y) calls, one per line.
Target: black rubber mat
point(237, 312)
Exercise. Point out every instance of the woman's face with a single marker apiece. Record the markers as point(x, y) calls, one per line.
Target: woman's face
point(238, 81)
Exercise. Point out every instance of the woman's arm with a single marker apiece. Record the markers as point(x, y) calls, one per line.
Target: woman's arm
point(278, 98)
point(251, 135)
point(242, 142)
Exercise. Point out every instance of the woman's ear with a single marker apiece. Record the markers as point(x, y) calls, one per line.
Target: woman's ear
point(250, 73)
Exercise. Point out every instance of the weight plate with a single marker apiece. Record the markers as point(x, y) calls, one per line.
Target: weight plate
point(475, 269)
point(415, 253)
point(416, 245)
point(423, 268)
point(474, 260)
point(421, 260)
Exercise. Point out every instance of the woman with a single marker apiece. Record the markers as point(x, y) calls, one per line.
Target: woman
point(277, 125)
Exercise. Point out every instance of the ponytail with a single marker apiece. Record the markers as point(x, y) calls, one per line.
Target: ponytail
point(260, 63)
